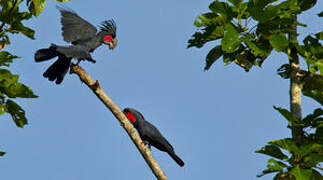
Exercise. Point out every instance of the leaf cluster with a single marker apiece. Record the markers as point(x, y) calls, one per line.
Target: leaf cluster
point(249, 31)
point(297, 161)
point(11, 22)
point(246, 33)
point(10, 88)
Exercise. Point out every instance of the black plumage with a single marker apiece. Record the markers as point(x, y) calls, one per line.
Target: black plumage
point(150, 134)
point(84, 39)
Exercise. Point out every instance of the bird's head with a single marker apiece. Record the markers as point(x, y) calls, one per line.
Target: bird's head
point(110, 33)
point(130, 114)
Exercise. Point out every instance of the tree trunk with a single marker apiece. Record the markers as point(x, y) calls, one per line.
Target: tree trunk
point(98, 91)
point(295, 86)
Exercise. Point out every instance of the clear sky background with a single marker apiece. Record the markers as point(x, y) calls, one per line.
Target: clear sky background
point(215, 120)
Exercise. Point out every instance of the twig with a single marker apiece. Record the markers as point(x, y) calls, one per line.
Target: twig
point(98, 91)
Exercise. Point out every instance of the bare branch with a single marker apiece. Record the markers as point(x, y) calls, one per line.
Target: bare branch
point(98, 91)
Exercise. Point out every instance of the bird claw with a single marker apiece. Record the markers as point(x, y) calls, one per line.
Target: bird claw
point(147, 144)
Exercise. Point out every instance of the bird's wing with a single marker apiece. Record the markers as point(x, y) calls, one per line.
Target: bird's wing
point(74, 27)
point(156, 138)
point(152, 134)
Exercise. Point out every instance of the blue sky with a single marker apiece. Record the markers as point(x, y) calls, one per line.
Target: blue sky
point(215, 120)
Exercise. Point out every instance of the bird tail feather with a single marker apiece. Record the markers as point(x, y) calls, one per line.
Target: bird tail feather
point(178, 160)
point(46, 53)
point(58, 69)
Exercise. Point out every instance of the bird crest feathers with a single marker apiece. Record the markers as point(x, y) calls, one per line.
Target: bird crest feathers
point(110, 27)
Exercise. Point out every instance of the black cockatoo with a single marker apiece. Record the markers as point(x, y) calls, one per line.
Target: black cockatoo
point(84, 38)
point(150, 134)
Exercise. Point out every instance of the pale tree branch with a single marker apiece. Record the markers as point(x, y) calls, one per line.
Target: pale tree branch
point(134, 136)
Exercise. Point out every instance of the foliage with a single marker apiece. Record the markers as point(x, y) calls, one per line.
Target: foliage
point(11, 23)
point(246, 33)
point(302, 160)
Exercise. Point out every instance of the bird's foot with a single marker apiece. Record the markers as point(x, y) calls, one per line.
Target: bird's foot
point(147, 144)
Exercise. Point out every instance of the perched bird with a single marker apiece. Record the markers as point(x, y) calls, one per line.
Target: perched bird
point(150, 134)
point(84, 39)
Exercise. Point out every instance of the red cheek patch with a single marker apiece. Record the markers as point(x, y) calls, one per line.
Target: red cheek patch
point(131, 117)
point(108, 38)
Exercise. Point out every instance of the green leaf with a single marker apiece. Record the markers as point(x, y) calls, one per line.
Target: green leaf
point(284, 71)
point(311, 147)
point(209, 34)
point(316, 175)
point(230, 42)
point(306, 4)
point(312, 118)
point(273, 166)
point(2, 153)
point(223, 9)
point(5, 40)
point(263, 11)
point(212, 56)
point(314, 94)
point(287, 144)
point(19, 90)
point(213, 29)
point(313, 159)
point(6, 78)
point(228, 58)
point(206, 20)
point(273, 151)
point(62, 0)
point(244, 59)
point(20, 28)
point(6, 58)
point(17, 113)
point(37, 6)
point(301, 174)
point(292, 119)
point(6, 7)
point(15, 19)
point(319, 35)
point(259, 47)
point(312, 52)
point(317, 123)
point(318, 135)
point(314, 48)
point(313, 87)
point(236, 2)
point(9, 85)
point(283, 176)
point(279, 42)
